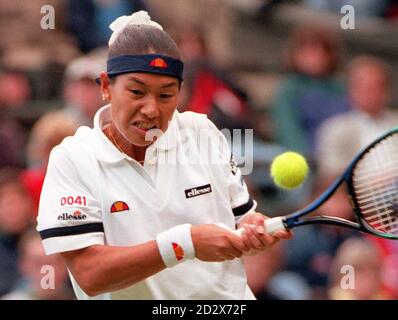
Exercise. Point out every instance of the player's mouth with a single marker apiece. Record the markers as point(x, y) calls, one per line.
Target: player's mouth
point(144, 126)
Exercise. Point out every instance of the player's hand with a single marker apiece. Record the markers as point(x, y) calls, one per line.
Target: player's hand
point(254, 235)
point(215, 244)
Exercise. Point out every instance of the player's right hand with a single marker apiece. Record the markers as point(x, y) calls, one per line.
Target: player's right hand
point(215, 244)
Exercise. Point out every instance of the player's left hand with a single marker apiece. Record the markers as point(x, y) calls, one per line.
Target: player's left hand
point(255, 236)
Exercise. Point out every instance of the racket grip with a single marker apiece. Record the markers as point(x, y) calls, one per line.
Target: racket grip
point(271, 226)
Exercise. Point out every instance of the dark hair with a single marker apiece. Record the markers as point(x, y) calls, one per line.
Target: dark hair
point(142, 39)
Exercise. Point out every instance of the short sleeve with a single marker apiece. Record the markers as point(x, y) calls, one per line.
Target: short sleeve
point(70, 215)
point(240, 199)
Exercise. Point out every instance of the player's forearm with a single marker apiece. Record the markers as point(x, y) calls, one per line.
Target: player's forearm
point(100, 269)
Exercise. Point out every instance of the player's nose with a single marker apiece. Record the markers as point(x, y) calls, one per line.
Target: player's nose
point(150, 107)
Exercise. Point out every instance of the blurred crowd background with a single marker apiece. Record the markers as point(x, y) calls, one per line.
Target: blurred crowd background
point(285, 69)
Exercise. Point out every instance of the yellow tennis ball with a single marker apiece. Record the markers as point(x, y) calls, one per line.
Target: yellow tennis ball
point(289, 170)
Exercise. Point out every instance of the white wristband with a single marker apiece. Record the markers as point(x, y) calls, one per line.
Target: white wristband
point(175, 245)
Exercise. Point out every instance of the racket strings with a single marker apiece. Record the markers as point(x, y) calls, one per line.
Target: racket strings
point(375, 182)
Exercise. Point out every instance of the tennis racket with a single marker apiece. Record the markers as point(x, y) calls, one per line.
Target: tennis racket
point(372, 185)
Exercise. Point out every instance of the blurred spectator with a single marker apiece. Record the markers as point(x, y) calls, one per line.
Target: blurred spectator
point(37, 53)
point(342, 136)
point(81, 93)
point(286, 285)
point(311, 252)
point(207, 89)
point(365, 259)
point(15, 217)
point(33, 181)
point(14, 93)
point(260, 268)
point(42, 277)
point(389, 255)
point(89, 20)
point(14, 89)
point(12, 142)
point(24, 43)
point(47, 132)
point(310, 93)
point(389, 252)
point(267, 281)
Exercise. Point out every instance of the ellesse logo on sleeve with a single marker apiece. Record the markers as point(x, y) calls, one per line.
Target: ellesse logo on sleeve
point(198, 191)
point(76, 215)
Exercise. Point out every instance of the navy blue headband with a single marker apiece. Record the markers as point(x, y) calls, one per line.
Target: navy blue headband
point(149, 63)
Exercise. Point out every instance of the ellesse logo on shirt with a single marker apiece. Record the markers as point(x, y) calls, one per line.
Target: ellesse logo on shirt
point(197, 191)
point(77, 215)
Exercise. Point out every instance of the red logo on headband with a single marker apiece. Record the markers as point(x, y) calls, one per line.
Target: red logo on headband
point(159, 63)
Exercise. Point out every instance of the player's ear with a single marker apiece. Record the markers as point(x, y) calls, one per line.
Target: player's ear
point(105, 86)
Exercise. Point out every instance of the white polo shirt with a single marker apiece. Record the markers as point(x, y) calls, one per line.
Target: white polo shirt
point(94, 194)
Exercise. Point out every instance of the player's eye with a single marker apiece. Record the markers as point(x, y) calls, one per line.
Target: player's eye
point(137, 92)
point(166, 95)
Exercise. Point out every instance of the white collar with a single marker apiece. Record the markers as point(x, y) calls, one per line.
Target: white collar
point(107, 152)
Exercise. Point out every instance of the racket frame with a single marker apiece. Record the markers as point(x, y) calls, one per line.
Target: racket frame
point(292, 220)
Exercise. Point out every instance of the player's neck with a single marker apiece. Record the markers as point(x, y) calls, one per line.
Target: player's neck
point(135, 152)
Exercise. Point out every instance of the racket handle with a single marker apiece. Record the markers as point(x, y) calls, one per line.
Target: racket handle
point(271, 226)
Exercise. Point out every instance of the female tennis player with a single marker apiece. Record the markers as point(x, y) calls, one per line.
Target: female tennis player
point(134, 205)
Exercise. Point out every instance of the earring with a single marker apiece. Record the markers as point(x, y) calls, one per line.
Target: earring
point(105, 97)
